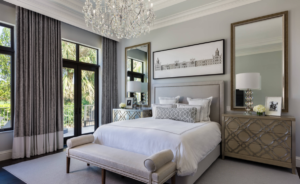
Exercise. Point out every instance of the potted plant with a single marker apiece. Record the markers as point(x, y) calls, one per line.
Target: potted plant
point(122, 105)
point(259, 109)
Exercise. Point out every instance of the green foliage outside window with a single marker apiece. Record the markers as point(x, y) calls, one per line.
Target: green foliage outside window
point(5, 77)
point(86, 55)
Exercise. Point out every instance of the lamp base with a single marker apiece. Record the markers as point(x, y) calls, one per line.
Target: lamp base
point(248, 102)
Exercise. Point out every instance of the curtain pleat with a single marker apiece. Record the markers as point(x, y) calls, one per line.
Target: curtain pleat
point(109, 80)
point(39, 101)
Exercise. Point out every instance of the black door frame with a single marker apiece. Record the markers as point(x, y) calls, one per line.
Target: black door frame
point(78, 67)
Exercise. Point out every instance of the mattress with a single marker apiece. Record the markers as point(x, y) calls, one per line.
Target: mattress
point(190, 142)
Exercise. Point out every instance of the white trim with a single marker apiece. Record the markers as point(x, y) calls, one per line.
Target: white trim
point(161, 4)
point(297, 161)
point(5, 155)
point(75, 18)
point(201, 11)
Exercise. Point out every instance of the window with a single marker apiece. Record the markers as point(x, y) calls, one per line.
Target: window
point(87, 55)
point(68, 50)
point(6, 76)
point(80, 89)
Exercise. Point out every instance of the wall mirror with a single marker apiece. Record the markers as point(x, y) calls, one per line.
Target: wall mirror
point(137, 74)
point(260, 45)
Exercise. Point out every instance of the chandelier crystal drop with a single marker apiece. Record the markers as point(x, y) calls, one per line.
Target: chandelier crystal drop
point(122, 18)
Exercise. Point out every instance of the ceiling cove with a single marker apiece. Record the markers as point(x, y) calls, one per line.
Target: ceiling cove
point(70, 11)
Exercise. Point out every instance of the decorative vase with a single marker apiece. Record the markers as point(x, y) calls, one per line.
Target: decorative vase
point(259, 113)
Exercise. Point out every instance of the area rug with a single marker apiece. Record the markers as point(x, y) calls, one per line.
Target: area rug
point(52, 170)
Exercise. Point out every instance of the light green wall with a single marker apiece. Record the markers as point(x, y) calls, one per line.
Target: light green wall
point(269, 65)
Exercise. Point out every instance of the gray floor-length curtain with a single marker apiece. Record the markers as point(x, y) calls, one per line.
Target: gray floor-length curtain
point(109, 80)
point(39, 98)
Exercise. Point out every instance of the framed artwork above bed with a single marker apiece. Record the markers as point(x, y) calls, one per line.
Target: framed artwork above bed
point(189, 61)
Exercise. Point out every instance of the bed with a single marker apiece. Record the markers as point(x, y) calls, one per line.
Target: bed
point(195, 145)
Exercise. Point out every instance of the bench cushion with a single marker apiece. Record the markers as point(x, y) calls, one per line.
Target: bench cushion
point(124, 161)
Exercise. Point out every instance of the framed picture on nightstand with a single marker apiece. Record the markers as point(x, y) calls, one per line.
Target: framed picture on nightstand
point(129, 103)
point(273, 106)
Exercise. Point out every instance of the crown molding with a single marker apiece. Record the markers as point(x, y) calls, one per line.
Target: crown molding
point(69, 11)
point(258, 43)
point(201, 11)
point(161, 4)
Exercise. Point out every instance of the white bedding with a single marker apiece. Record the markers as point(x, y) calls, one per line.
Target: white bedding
point(190, 142)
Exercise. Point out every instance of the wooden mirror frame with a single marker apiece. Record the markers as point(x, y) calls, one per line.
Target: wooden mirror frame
point(149, 70)
point(285, 57)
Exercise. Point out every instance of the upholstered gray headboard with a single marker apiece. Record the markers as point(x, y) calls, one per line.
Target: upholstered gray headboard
point(194, 90)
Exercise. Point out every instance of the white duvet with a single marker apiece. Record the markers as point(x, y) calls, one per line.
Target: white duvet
point(190, 142)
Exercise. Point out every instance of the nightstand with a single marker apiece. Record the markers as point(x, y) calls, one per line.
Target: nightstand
point(264, 139)
point(127, 114)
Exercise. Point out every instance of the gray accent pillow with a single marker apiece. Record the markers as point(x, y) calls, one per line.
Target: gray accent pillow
point(154, 106)
point(177, 114)
point(199, 116)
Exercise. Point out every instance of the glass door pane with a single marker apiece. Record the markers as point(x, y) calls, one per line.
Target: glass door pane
point(5, 91)
point(87, 101)
point(69, 106)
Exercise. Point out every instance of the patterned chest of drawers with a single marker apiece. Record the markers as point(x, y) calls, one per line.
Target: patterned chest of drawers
point(265, 139)
point(127, 114)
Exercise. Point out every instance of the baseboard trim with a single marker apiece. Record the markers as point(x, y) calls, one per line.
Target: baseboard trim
point(5, 155)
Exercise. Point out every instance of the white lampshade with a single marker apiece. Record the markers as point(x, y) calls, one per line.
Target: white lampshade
point(248, 81)
point(134, 86)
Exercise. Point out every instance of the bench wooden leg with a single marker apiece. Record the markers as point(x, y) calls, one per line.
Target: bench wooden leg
point(88, 164)
point(68, 164)
point(103, 175)
point(173, 179)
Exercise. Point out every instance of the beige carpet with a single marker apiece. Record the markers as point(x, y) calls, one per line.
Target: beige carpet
point(51, 170)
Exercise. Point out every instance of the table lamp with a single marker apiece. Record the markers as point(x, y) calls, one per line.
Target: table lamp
point(248, 82)
point(133, 87)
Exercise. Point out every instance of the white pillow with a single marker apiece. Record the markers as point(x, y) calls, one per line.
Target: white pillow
point(205, 103)
point(160, 105)
point(199, 116)
point(169, 100)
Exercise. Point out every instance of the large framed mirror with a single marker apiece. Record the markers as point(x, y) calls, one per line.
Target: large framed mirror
point(137, 74)
point(260, 46)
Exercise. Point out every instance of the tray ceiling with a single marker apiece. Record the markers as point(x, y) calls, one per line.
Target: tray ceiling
point(168, 12)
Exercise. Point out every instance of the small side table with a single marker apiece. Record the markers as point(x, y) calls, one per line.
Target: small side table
point(127, 114)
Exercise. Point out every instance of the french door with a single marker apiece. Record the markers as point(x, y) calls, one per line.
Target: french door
point(80, 85)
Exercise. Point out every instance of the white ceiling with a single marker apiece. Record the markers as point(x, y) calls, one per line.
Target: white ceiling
point(168, 12)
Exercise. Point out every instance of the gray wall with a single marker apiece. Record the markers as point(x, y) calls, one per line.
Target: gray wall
point(7, 14)
point(217, 26)
point(269, 65)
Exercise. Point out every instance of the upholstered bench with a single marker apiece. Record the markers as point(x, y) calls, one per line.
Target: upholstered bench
point(155, 169)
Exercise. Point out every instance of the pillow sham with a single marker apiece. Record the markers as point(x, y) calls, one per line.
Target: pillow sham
point(177, 114)
point(199, 116)
point(169, 100)
point(154, 106)
point(205, 103)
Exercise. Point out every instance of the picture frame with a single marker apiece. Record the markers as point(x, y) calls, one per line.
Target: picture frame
point(203, 59)
point(129, 103)
point(273, 106)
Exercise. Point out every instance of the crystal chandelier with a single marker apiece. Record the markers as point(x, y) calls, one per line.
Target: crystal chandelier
point(124, 18)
